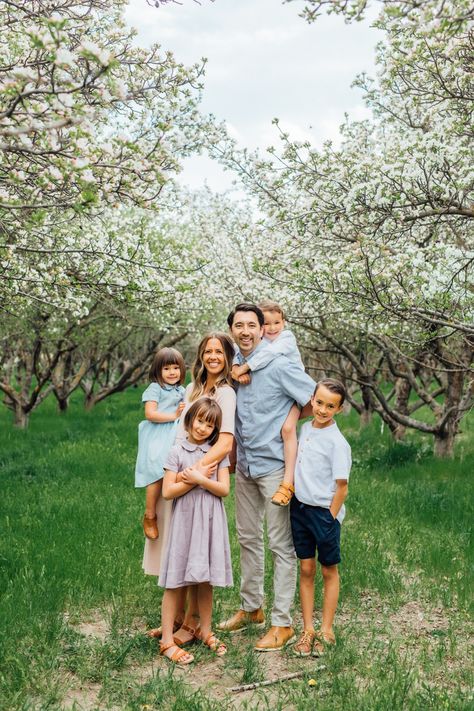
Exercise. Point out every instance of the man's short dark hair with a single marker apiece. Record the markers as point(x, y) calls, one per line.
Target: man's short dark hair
point(334, 386)
point(246, 307)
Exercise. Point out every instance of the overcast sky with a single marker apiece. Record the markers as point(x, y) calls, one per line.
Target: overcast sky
point(263, 62)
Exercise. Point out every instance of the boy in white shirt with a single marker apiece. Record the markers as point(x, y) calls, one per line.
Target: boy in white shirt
point(317, 511)
point(279, 341)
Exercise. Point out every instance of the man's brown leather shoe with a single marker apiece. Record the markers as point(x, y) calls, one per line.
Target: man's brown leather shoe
point(150, 528)
point(242, 620)
point(275, 639)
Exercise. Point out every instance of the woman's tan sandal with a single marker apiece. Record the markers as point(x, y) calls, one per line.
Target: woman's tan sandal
point(283, 494)
point(186, 628)
point(304, 646)
point(214, 644)
point(320, 644)
point(179, 656)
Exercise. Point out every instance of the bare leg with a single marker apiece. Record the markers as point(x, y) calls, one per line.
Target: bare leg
point(169, 607)
point(285, 491)
point(204, 600)
point(290, 444)
point(307, 574)
point(204, 597)
point(330, 599)
point(190, 618)
point(153, 493)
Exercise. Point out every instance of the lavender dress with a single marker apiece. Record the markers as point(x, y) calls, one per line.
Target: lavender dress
point(198, 548)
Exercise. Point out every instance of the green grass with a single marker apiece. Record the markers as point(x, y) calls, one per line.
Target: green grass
point(70, 556)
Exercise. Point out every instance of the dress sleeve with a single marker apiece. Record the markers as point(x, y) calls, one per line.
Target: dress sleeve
point(173, 459)
point(153, 392)
point(225, 463)
point(285, 345)
point(237, 356)
point(226, 399)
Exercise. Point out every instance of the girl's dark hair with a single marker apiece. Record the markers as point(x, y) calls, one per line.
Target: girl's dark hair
point(334, 386)
point(200, 372)
point(208, 410)
point(166, 356)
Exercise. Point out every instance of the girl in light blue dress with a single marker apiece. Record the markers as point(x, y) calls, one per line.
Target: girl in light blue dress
point(163, 400)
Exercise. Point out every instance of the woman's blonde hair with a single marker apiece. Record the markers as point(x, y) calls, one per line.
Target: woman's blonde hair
point(200, 372)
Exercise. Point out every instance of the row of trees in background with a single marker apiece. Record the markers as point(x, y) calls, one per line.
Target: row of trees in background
point(368, 244)
point(371, 243)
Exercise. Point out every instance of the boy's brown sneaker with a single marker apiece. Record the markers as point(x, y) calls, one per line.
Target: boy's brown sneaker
point(150, 527)
point(242, 620)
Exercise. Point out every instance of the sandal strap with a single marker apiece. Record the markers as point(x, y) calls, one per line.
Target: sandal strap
point(191, 630)
point(286, 487)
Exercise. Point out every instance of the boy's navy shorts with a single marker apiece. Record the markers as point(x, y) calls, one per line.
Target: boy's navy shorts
point(313, 527)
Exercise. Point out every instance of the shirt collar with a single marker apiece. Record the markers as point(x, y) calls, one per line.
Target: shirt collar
point(191, 447)
point(165, 386)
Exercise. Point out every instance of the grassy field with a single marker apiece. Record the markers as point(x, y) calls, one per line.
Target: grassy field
point(74, 603)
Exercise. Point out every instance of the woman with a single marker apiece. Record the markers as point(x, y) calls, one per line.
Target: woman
point(211, 378)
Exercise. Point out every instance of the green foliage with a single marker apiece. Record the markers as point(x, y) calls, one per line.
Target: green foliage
point(70, 557)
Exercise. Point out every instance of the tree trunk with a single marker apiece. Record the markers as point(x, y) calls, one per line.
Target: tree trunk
point(444, 444)
point(63, 403)
point(402, 395)
point(367, 411)
point(21, 418)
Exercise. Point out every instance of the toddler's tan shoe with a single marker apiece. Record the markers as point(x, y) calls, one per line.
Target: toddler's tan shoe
point(275, 639)
point(150, 528)
point(242, 620)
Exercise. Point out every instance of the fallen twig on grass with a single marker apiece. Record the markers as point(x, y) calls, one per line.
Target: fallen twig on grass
point(286, 677)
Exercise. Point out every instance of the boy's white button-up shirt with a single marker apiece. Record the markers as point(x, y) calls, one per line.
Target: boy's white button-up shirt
point(324, 455)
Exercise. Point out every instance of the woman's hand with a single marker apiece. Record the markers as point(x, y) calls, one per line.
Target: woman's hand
point(193, 475)
point(207, 469)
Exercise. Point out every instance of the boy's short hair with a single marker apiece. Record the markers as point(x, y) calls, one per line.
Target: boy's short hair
point(245, 306)
point(334, 386)
point(272, 306)
point(166, 356)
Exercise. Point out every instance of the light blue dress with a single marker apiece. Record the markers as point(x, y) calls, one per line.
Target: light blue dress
point(155, 439)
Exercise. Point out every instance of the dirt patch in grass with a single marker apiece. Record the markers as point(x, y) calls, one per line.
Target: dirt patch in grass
point(432, 640)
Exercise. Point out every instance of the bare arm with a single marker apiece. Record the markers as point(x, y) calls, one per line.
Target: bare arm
point(219, 450)
point(307, 410)
point(221, 487)
point(339, 496)
point(154, 415)
point(172, 489)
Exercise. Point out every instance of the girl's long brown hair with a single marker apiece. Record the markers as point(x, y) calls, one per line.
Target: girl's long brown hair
point(200, 372)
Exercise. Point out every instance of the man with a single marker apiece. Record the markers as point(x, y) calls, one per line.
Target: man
point(262, 407)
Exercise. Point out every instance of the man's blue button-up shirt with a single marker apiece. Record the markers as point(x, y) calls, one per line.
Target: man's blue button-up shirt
point(262, 408)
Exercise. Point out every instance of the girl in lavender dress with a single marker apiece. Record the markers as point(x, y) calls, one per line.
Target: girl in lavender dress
point(198, 551)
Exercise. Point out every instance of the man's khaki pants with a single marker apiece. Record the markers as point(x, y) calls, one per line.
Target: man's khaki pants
point(253, 502)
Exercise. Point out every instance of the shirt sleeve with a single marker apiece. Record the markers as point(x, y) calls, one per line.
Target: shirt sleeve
point(153, 392)
point(237, 356)
point(173, 459)
point(285, 345)
point(341, 460)
point(225, 463)
point(226, 399)
point(295, 382)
